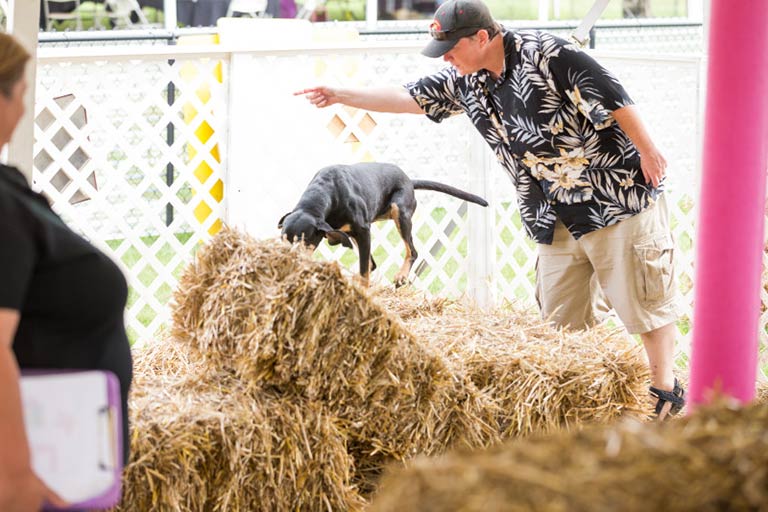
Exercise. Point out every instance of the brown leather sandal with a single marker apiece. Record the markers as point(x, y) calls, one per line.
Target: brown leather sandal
point(668, 403)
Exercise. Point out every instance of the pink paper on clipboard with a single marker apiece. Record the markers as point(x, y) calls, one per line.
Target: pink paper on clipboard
point(73, 424)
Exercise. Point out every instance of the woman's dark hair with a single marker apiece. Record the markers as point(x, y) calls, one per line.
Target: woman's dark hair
point(13, 59)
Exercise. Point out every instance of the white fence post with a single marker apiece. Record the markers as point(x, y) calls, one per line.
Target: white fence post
point(481, 248)
point(544, 10)
point(170, 14)
point(371, 14)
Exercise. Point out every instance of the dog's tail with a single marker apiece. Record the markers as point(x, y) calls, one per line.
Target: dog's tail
point(447, 189)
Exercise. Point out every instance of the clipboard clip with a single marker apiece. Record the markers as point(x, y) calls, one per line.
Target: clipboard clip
point(108, 451)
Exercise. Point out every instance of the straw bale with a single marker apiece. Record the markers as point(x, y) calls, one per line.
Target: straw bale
point(299, 327)
point(761, 393)
point(543, 378)
point(715, 459)
point(336, 345)
point(203, 444)
point(222, 296)
point(410, 304)
point(395, 373)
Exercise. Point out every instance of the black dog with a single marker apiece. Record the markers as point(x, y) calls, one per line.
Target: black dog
point(342, 201)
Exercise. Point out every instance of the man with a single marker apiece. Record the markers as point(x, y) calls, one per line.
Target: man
point(589, 179)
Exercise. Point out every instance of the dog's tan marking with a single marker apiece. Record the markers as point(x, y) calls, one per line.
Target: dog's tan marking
point(402, 276)
point(364, 280)
point(346, 228)
point(388, 214)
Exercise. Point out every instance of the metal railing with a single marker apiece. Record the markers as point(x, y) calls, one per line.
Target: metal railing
point(646, 36)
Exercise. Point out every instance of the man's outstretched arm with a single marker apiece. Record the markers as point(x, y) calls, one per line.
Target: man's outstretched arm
point(395, 99)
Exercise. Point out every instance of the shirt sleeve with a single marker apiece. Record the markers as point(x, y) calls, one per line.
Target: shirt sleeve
point(594, 90)
point(437, 94)
point(17, 260)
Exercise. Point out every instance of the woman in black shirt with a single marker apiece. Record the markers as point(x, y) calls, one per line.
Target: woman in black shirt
point(61, 300)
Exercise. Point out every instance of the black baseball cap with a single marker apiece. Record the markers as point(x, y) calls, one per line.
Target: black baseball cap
point(453, 20)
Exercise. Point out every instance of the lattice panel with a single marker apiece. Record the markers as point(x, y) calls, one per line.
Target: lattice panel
point(126, 145)
point(345, 135)
point(448, 152)
point(440, 237)
point(129, 153)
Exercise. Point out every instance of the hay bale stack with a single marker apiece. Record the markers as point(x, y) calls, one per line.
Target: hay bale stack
point(290, 387)
point(713, 460)
point(543, 378)
point(300, 328)
point(222, 296)
point(328, 341)
point(210, 444)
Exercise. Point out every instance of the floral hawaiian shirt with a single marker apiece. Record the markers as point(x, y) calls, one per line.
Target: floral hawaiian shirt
point(549, 120)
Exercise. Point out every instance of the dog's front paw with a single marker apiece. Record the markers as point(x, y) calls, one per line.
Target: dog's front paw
point(363, 281)
point(401, 280)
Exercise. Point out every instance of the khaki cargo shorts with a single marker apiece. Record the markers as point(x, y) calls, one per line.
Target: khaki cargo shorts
point(628, 266)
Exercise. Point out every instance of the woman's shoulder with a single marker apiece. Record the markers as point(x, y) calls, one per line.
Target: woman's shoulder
point(16, 197)
point(12, 184)
point(10, 174)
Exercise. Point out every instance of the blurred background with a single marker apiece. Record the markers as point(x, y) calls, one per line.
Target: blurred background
point(58, 15)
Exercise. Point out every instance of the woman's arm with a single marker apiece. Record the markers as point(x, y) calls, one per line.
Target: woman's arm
point(20, 489)
point(14, 451)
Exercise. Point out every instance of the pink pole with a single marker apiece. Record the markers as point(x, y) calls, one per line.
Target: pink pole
point(729, 244)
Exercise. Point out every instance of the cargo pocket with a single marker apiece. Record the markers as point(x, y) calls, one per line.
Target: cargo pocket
point(654, 273)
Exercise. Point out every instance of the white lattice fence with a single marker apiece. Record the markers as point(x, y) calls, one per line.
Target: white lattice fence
point(298, 140)
point(276, 142)
point(128, 153)
point(449, 152)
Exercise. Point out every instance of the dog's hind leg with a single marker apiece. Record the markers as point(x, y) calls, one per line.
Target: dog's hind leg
point(402, 218)
point(363, 237)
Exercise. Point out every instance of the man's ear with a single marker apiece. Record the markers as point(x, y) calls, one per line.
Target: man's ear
point(282, 219)
point(337, 237)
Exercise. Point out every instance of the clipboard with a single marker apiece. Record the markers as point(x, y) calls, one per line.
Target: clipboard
point(74, 428)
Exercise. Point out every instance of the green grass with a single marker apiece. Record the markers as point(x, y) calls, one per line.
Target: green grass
point(345, 10)
point(89, 11)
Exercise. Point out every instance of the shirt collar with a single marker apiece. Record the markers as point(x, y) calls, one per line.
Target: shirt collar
point(510, 60)
point(511, 55)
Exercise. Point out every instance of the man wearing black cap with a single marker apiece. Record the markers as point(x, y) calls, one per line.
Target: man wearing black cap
point(589, 179)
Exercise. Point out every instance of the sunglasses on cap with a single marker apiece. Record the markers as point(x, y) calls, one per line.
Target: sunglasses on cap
point(452, 35)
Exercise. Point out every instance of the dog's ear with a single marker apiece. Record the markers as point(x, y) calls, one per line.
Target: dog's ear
point(337, 237)
point(334, 236)
point(282, 219)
